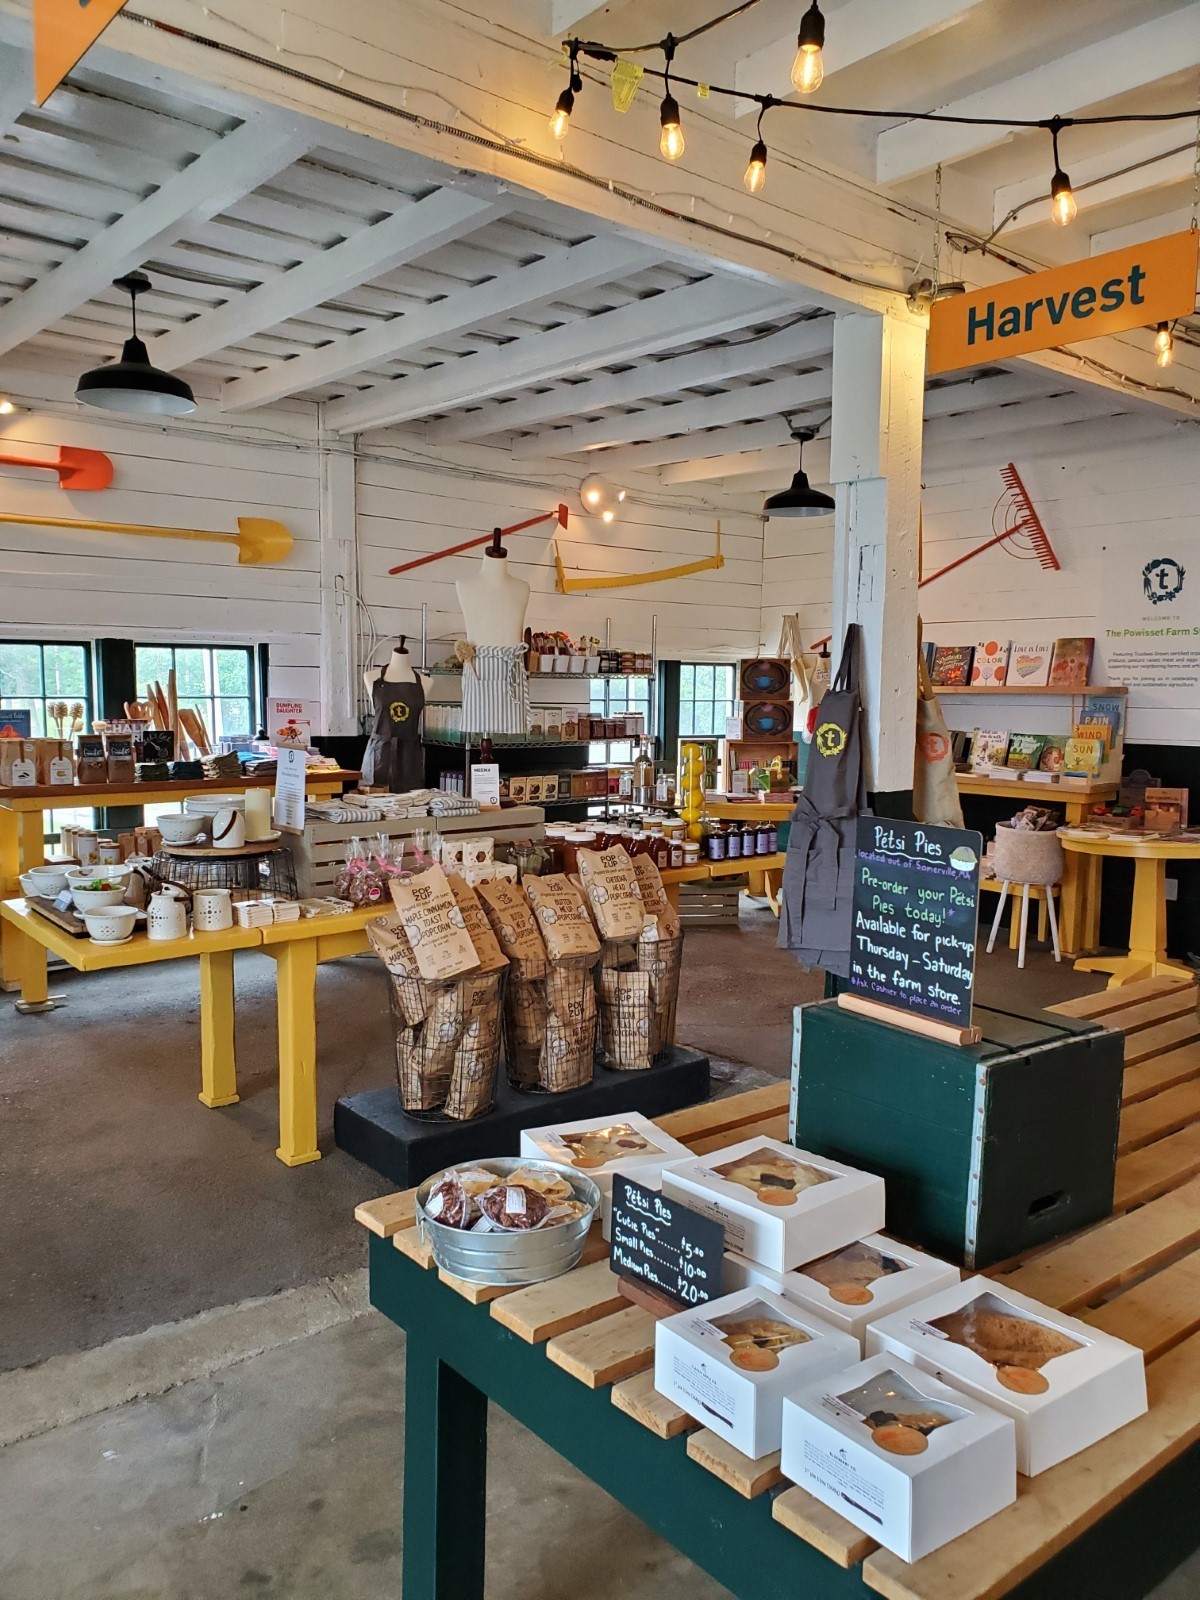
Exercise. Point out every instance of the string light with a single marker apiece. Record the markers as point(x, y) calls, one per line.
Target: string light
point(756, 169)
point(1063, 206)
point(671, 142)
point(1164, 343)
point(560, 122)
point(808, 69)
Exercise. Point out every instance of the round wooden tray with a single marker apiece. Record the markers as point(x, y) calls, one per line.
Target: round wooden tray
point(194, 852)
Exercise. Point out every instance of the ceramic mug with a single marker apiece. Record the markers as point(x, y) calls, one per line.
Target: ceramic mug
point(166, 915)
point(228, 829)
point(212, 910)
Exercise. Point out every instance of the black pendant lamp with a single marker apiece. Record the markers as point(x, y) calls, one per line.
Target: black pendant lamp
point(132, 384)
point(799, 499)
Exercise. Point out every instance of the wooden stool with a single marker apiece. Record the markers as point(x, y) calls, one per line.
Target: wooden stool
point(1033, 860)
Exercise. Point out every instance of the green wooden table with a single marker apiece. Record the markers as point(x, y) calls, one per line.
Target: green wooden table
point(571, 1362)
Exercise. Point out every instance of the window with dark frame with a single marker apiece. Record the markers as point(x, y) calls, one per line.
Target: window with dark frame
point(215, 680)
point(36, 674)
point(707, 691)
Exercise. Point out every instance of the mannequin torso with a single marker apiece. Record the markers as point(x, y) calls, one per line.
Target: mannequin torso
point(493, 604)
point(399, 669)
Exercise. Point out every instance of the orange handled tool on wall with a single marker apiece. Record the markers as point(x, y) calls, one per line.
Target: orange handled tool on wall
point(76, 468)
point(559, 514)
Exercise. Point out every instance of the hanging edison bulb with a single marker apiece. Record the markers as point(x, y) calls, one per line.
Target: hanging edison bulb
point(756, 169)
point(1164, 344)
point(560, 122)
point(671, 141)
point(1063, 206)
point(808, 69)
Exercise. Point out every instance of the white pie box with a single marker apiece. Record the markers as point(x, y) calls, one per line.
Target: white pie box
point(553, 1143)
point(850, 1306)
point(694, 1366)
point(1089, 1393)
point(912, 1504)
point(836, 1211)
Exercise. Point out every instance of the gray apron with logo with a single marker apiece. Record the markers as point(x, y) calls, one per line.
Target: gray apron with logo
point(818, 872)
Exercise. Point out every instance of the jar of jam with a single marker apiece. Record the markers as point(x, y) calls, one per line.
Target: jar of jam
point(675, 851)
point(691, 853)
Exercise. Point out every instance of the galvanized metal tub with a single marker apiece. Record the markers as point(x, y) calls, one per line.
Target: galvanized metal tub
point(502, 1257)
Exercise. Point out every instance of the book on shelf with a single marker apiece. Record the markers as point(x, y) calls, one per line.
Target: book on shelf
point(1029, 665)
point(930, 650)
point(1024, 751)
point(989, 667)
point(1053, 753)
point(989, 748)
point(951, 666)
point(1108, 708)
point(1071, 664)
point(1088, 729)
point(1083, 758)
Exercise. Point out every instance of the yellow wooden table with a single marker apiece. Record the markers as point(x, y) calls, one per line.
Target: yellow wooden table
point(763, 872)
point(32, 935)
point(22, 825)
point(1077, 803)
point(1147, 957)
point(751, 810)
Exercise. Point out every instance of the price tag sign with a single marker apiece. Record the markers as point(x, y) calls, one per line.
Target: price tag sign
point(290, 777)
point(485, 782)
point(665, 1245)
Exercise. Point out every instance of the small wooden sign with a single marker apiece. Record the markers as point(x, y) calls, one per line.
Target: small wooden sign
point(1133, 288)
point(670, 1255)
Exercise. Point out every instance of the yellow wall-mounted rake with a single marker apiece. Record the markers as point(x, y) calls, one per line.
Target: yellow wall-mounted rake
point(628, 580)
point(259, 541)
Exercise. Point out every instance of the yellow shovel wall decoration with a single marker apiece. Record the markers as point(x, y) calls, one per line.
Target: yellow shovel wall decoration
point(628, 580)
point(259, 541)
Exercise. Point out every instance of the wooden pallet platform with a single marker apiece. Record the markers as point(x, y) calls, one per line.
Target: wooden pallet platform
point(1136, 1275)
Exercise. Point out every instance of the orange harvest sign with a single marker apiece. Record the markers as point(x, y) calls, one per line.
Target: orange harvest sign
point(1133, 288)
point(63, 30)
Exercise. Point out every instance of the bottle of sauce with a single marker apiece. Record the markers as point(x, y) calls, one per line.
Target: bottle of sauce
point(715, 843)
point(762, 843)
point(733, 843)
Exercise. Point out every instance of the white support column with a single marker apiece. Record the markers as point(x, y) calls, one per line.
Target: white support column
point(339, 626)
point(875, 467)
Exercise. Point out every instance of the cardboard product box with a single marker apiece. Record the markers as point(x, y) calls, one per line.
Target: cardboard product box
point(854, 1286)
point(18, 763)
point(905, 1458)
point(601, 1146)
point(730, 1363)
point(1064, 1384)
point(779, 1206)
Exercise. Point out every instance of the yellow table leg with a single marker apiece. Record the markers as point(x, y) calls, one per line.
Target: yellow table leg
point(30, 963)
point(10, 867)
point(772, 881)
point(31, 849)
point(297, 1000)
point(671, 890)
point(1147, 956)
point(218, 1065)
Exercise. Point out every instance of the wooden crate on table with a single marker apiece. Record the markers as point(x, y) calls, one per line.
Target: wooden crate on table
point(321, 850)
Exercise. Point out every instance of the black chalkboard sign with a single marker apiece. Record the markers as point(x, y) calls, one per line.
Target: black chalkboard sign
point(665, 1245)
point(916, 909)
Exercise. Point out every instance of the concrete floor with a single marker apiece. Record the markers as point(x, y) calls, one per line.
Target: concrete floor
point(256, 1449)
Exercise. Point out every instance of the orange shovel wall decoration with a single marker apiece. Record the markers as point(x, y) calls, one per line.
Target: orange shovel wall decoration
point(259, 541)
point(77, 468)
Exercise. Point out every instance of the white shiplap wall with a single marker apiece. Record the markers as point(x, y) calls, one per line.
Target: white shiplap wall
point(75, 584)
point(797, 576)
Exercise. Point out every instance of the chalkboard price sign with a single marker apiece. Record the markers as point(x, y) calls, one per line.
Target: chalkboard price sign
point(665, 1245)
point(916, 909)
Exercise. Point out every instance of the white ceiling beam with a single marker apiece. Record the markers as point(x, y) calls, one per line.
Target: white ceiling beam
point(702, 310)
point(752, 403)
point(563, 15)
point(694, 446)
point(16, 86)
point(440, 219)
point(228, 169)
point(581, 267)
point(1072, 439)
point(984, 393)
point(1138, 232)
point(803, 342)
point(1133, 166)
point(1085, 77)
point(779, 458)
point(859, 29)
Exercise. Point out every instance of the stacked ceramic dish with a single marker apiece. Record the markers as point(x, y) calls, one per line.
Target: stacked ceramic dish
point(207, 805)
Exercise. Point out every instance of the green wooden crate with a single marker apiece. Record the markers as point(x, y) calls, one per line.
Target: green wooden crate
point(987, 1150)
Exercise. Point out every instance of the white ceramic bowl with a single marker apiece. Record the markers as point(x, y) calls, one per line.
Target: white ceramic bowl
point(111, 926)
point(112, 872)
point(47, 881)
point(180, 830)
point(97, 899)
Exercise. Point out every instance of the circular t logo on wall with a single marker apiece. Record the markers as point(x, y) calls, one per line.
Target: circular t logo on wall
point(1162, 579)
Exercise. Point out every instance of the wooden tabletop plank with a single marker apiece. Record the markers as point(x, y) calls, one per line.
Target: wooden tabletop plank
point(717, 1116)
point(409, 1241)
point(1084, 1269)
point(638, 1398)
point(545, 1310)
point(1158, 1313)
point(1162, 1037)
point(389, 1213)
point(817, 1525)
point(604, 1352)
point(775, 1127)
point(1164, 1113)
point(1059, 1505)
point(476, 1294)
point(1160, 1072)
point(748, 1478)
point(1162, 1008)
point(1147, 1173)
point(1109, 1000)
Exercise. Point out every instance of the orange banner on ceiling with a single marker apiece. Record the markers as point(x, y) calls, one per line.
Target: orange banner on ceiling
point(1148, 283)
point(63, 30)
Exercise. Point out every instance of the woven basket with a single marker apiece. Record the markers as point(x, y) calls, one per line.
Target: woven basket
point(1024, 857)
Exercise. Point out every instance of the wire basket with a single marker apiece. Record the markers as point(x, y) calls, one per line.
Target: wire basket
point(550, 1016)
point(447, 1044)
point(637, 986)
point(273, 872)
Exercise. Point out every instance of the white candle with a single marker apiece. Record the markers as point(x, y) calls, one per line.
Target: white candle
point(258, 813)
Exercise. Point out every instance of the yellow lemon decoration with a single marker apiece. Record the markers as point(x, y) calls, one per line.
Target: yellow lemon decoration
point(695, 831)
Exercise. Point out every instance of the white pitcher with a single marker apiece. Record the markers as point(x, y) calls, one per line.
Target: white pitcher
point(212, 910)
point(166, 915)
point(228, 829)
